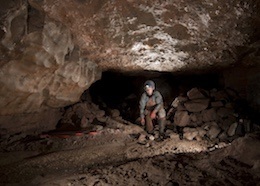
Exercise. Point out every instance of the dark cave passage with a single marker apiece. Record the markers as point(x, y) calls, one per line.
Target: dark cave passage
point(122, 91)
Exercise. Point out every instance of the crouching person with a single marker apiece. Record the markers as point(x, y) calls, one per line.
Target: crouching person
point(151, 108)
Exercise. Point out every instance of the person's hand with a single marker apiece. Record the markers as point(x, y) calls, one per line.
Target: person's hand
point(142, 121)
point(153, 115)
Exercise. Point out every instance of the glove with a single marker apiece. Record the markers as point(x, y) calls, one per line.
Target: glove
point(142, 121)
point(153, 115)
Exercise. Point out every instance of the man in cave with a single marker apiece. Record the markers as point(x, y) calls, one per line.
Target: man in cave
point(151, 107)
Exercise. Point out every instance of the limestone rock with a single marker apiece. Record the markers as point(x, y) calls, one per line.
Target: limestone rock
point(181, 107)
point(213, 132)
point(195, 93)
point(223, 136)
point(98, 128)
point(102, 119)
point(181, 118)
point(199, 118)
point(84, 122)
point(174, 135)
point(115, 113)
point(225, 124)
point(189, 133)
point(142, 138)
point(40, 77)
point(100, 113)
point(196, 105)
point(193, 118)
point(209, 115)
point(232, 129)
point(208, 125)
point(178, 101)
point(201, 131)
point(198, 138)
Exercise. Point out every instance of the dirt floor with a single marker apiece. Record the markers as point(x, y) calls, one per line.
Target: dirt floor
point(123, 154)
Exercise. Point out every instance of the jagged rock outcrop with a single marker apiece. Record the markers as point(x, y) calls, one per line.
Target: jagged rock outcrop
point(41, 69)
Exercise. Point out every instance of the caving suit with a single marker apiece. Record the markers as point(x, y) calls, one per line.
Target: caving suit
point(152, 103)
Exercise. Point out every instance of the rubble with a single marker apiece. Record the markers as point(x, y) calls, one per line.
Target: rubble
point(105, 138)
point(196, 105)
point(181, 118)
point(208, 113)
point(195, 93)
point(232, 129)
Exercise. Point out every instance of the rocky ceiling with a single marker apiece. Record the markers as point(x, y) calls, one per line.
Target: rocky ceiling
point(53, 50)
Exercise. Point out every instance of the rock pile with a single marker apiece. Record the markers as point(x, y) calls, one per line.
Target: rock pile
point(210, 114)
point(82, 115)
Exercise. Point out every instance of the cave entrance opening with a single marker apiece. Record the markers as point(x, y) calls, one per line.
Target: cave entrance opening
point(122, 91)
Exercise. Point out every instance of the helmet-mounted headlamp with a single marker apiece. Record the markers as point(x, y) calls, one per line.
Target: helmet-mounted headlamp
point(149, 84)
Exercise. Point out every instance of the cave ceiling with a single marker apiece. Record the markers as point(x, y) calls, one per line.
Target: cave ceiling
point(53, 50)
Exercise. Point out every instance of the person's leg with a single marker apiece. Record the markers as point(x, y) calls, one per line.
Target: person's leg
point(149, 123)
point(161, 120)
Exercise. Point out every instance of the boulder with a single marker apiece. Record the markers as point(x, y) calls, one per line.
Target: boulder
point(181, 107)
point(142, 138)
point(208, 125)
point(189, 133)
point(100, 113)
point(115, 113)
point(84, 122)
point(181, 118)
point(199, 118)
point(222, 136)
point(209, 115)
point(193, 118)
point(198, 138)
point(102, 119)
point(213, 132)
point(174, 135)
point(195, 93)
point(201, 131)
point(178, 100)
point(232, 129)
point(196, 105)
point(225, 124)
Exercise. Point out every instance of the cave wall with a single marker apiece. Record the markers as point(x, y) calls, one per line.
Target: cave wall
point(41, 68)
point(53, 50)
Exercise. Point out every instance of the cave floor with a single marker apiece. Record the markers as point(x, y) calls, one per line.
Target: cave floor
point(116, 156)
